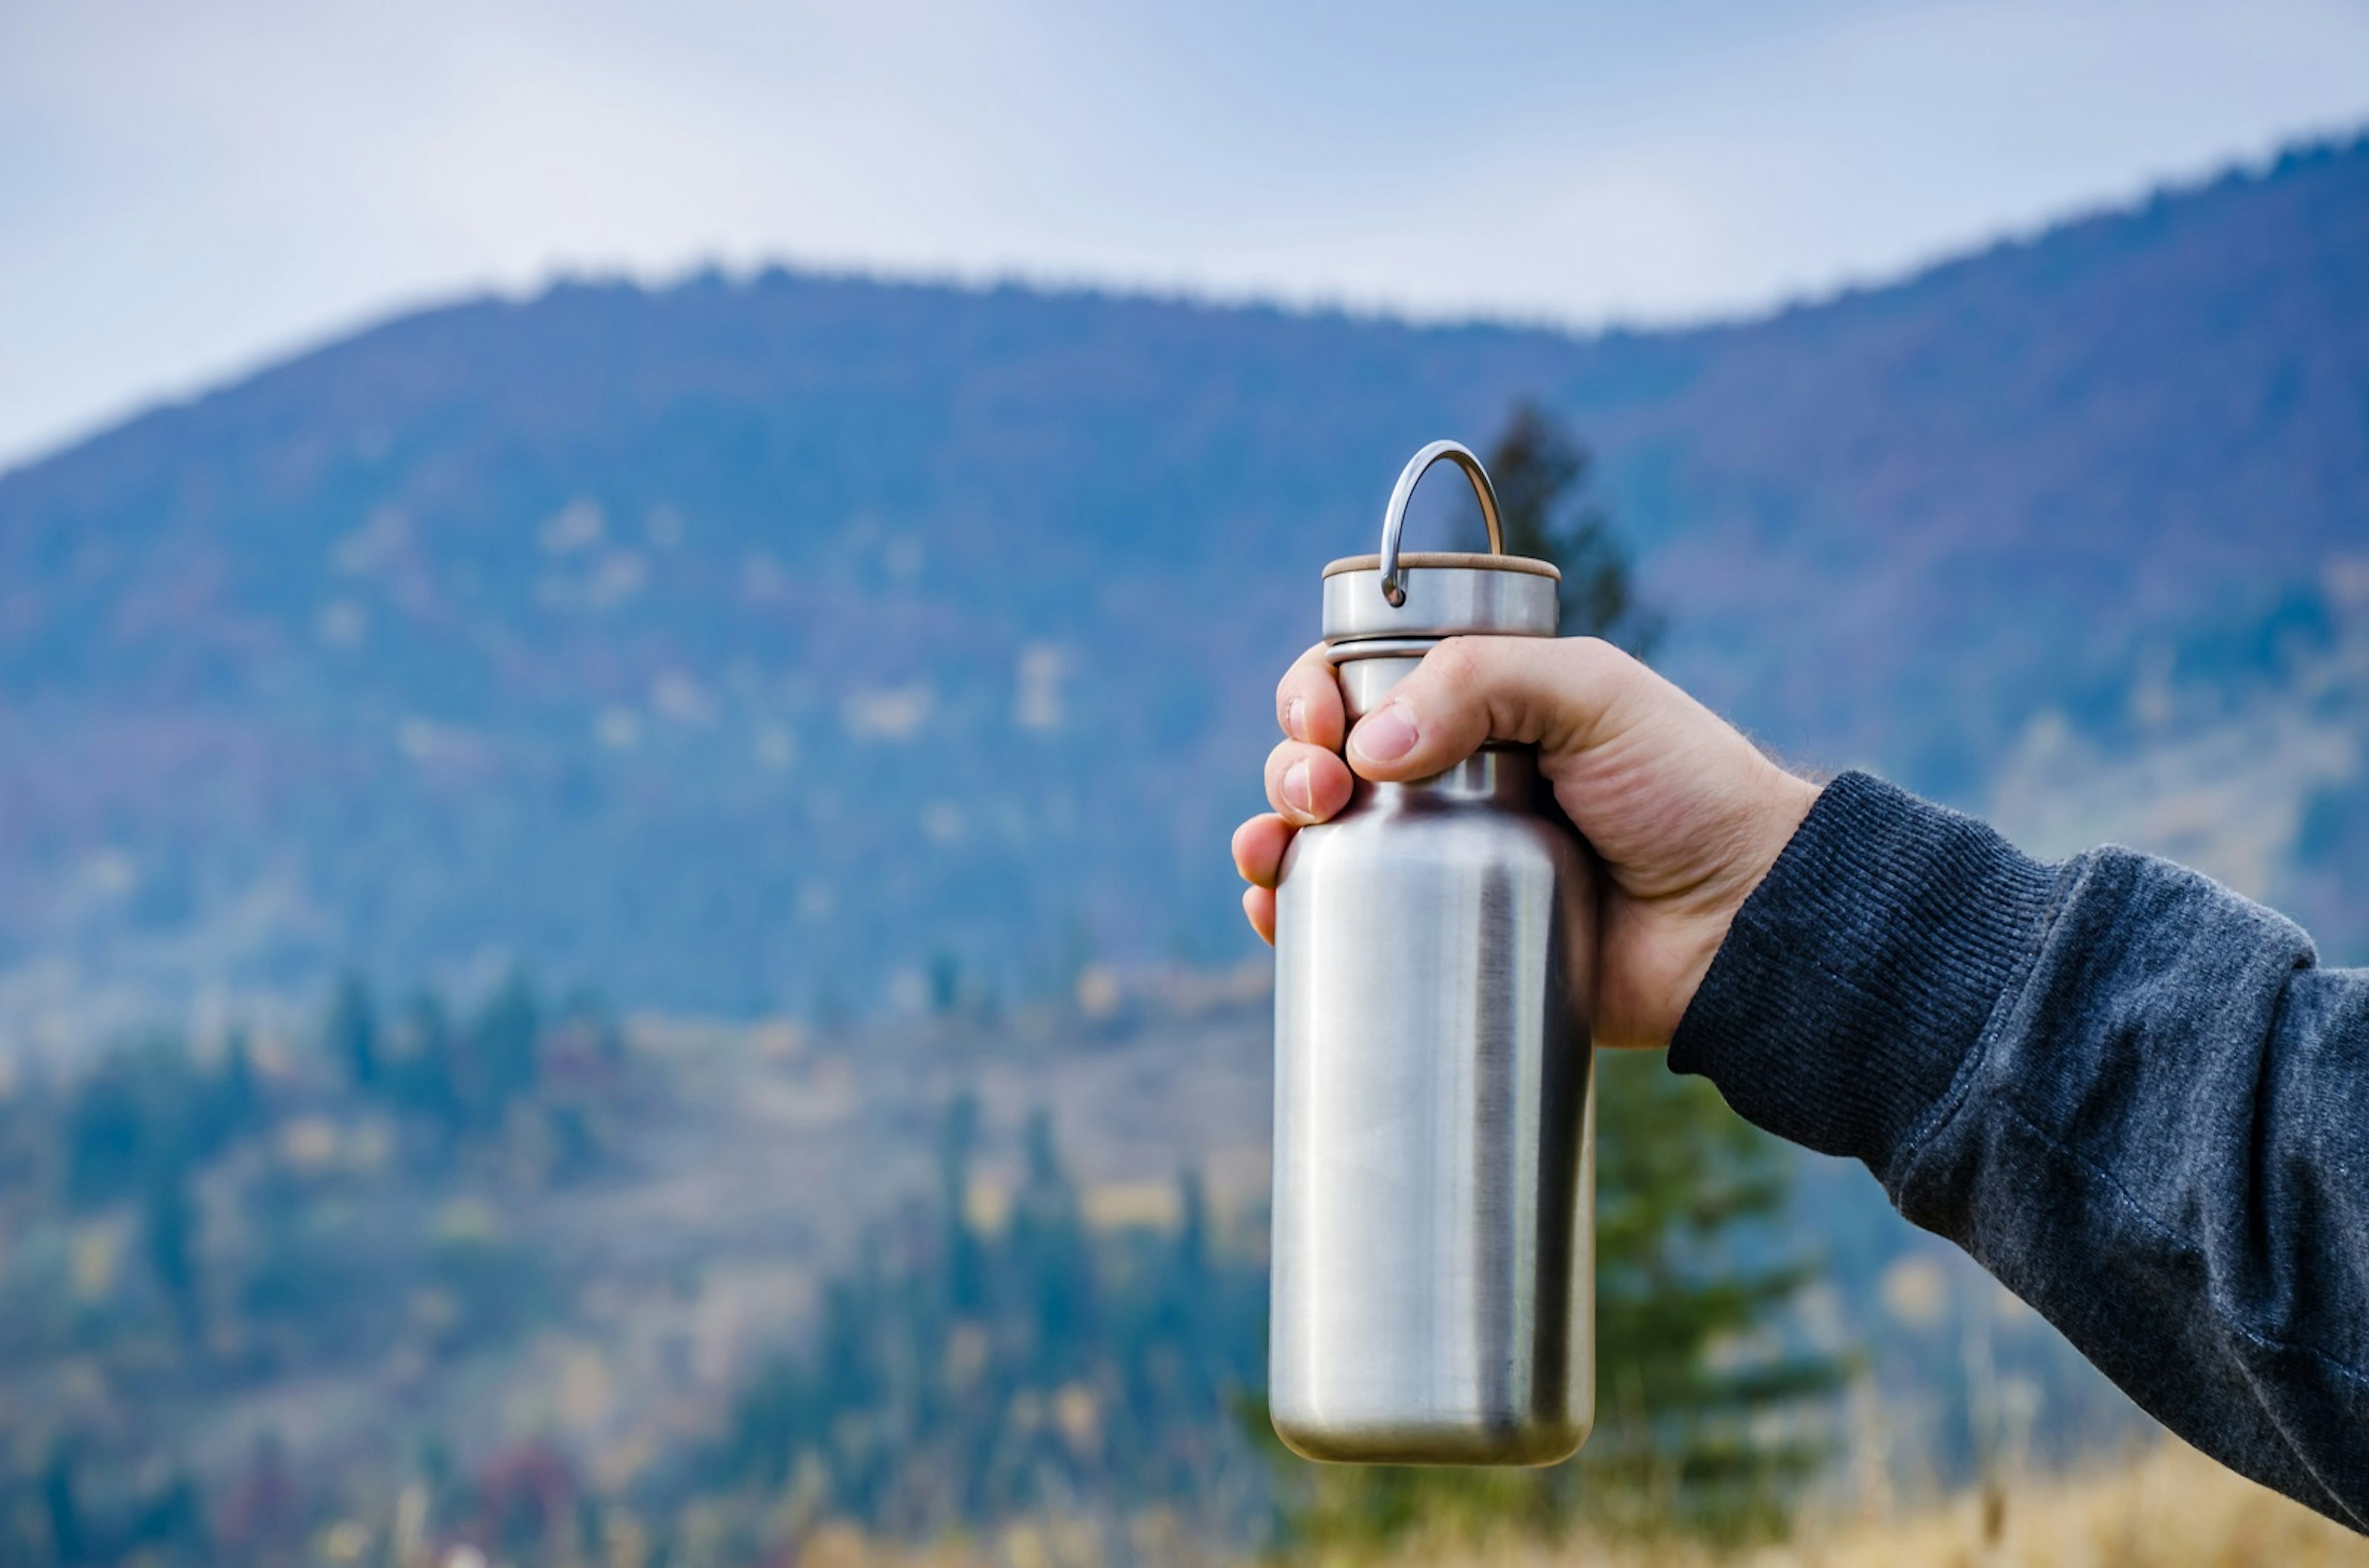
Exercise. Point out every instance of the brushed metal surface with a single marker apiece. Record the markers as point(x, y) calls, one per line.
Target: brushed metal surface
point(1433, 1288)
point(1366, 681)
point(1440, 602)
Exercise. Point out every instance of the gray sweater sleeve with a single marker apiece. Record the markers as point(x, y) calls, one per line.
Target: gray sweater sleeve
point(2128, 1093)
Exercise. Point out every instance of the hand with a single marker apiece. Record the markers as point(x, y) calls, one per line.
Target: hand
point(1685, 814)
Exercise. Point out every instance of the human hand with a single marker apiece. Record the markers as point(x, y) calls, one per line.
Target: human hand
point(1684, 813)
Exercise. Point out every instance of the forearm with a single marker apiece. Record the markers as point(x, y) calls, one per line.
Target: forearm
point(2121, 1087)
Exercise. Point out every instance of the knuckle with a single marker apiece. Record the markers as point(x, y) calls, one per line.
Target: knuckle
point(1309, 662)
point(1458, 664)
point(1327, 774)
point(1287, 752)
point(1591, 653)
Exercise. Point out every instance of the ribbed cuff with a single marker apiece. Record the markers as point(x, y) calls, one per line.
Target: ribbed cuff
point(1859, 974)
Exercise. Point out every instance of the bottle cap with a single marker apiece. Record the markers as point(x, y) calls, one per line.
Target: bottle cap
point(1394, 596)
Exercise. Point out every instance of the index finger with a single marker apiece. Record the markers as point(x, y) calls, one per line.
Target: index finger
point(1308, 701)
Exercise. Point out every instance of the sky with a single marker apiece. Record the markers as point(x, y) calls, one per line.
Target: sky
point(187, 192)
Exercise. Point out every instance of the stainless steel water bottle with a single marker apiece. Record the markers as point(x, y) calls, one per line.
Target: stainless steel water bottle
point(1433, 1247)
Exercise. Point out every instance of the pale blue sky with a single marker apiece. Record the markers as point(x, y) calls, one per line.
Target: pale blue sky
point(188, 191)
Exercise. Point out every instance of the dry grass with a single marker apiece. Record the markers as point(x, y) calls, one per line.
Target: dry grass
point(2170, 1508)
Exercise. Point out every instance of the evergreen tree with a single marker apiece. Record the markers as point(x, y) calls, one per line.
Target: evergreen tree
point(62, 1504)
point(1049, 1244)
point(237, 1095)
point(945, 984)
point(965, 1281)
point(1192, 1233)
point(1710, 1403)
point(425, 1078)
point(1544, 478)
point(502, 1053)
point(168, 1225)
point(350, 1034)
point(110, 1131)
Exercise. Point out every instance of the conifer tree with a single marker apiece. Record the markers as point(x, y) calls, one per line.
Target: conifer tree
point(957, 1140)
point(1049, 1250)
point(168, 1226)
point(502, 1047)
point(1544, 478)
point(350, 1036)
point(238, 1097)
point(428, 1077)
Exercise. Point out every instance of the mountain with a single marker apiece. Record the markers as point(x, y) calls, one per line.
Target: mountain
point(830, 645)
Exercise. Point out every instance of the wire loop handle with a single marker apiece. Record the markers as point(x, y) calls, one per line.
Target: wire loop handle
point(1395, 516)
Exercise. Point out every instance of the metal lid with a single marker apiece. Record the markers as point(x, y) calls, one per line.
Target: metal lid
point(1442, 594)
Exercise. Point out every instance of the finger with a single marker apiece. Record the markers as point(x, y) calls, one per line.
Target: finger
point(1308, 701)
point(1259, 844)
point(1258, 903)
point(1555, 694)
point(1305, 784)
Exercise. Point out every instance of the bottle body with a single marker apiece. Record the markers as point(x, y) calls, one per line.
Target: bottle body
point(1432, 1278)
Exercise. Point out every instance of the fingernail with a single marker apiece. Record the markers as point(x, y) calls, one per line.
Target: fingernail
point(1295, 718)
point(1296, 792)
point(1383, 736)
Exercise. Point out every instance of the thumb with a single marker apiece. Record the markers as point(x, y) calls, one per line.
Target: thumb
point(1533, 691)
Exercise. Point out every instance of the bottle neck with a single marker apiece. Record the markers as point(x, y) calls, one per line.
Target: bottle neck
point(1366, 676)
point(1500, 774)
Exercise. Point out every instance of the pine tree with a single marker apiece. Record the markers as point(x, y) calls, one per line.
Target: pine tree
point(957, 1140)
point(1544, 478)
point(350, 1035)
point(502, 1048)
point(237, 1096)
point(1710, 1405)
point(168, 1226)
point(1049, 1249)
point(427, 1077)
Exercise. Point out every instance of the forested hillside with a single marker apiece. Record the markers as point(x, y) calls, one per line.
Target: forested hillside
point(822, 644)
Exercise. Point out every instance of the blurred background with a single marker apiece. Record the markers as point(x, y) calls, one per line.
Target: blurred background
point(629, 637)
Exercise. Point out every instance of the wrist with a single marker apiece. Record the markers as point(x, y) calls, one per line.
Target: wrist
point(1779, 804)
point(1859, 974)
